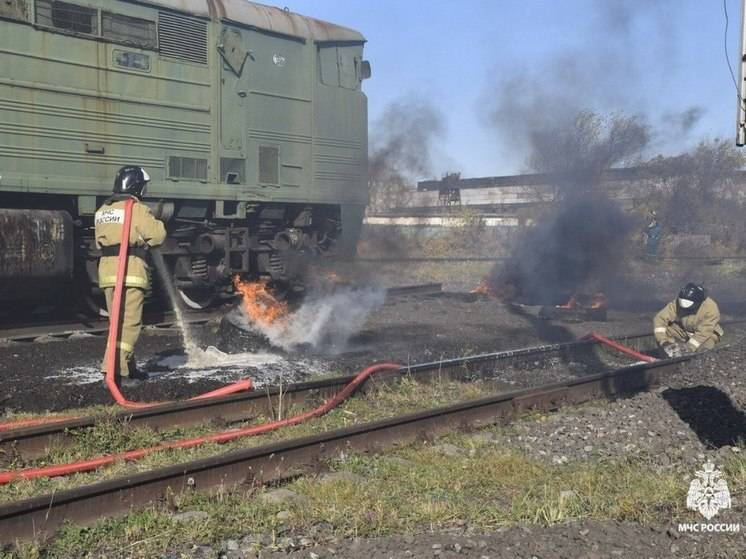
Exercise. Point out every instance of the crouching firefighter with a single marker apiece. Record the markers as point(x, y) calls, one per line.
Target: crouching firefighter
point(688, 324)
point(145, 231)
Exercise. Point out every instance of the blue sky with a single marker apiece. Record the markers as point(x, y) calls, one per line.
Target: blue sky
point(657, 58)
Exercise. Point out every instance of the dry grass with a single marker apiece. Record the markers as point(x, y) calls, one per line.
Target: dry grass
point(422, 489)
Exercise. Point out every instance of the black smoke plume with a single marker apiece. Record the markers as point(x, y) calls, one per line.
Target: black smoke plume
point(401, 148)
point(551, 114)
point(578, 246)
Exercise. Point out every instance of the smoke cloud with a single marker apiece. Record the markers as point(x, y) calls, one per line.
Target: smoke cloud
point(599, 75)
point(577, 246)
point(323, 322)
point(552, 115)
point(681, 123)
point(401, 148)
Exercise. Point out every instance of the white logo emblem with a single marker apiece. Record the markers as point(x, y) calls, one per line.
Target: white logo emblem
point(708, 492)
point(278, 59)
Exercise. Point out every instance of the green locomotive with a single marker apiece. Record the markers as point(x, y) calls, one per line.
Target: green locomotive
point(250, 120)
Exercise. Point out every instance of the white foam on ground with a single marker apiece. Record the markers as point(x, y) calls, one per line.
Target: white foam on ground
point(214, 364)
point(77, 375)
point(208, 364)
point(213, 357)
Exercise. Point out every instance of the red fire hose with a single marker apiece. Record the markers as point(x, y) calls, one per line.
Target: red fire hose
point(222, 437)
point(619, 347)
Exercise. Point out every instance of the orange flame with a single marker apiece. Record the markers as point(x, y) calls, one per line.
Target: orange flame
point(260, 305)
point(484, 288)
point(598, 301)
point(502, 292)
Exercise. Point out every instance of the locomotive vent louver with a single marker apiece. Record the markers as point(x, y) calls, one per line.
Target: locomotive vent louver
point(182, 38)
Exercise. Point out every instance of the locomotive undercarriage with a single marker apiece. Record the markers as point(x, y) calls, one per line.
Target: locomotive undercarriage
point(272, 241)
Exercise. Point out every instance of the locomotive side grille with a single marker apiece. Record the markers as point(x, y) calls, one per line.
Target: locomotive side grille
point(269, 165)
point(276, 264)
point(182, 38)
point(199, 267)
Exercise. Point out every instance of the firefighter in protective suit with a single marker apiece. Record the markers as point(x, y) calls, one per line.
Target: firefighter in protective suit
point(688, 324)
point(145, 231)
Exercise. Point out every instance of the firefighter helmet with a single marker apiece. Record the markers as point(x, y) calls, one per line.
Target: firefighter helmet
point(131, 180)
point(691, 297)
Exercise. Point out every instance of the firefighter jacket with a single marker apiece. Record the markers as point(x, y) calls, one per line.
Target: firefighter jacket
point(145, 231)
point(696, 328)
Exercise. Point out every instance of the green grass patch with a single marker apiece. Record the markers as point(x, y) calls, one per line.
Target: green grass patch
point(416, 489)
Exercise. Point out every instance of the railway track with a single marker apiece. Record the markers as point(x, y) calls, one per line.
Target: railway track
point(41, 516)
point(32, 332)
point(707, 260)
point(35, 441)
point(95, 327)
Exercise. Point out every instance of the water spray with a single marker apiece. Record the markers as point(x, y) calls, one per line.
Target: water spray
point(190, 346)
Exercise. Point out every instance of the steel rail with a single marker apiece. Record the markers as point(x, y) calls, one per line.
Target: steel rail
point(387, 259)
point(96, 327)
point(34, 442)
point(40, 517)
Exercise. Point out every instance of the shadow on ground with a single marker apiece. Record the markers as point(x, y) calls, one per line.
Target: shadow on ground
point(710, 413)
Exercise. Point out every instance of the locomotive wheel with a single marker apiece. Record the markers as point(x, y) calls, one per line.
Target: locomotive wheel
point(197, 299)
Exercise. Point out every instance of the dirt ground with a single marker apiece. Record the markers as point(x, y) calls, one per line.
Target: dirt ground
point(64, 374)
point(573, 540)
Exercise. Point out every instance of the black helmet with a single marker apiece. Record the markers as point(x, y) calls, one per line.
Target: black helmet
point(691, 297)
point(131, 180)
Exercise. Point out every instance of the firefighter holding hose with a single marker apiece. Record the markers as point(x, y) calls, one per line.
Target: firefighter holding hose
point(689, 323)
point(145, 232)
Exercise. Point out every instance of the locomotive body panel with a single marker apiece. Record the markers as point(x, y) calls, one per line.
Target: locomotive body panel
point(237, 111)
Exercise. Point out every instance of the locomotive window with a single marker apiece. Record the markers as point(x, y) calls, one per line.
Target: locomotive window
point(187, 168)
point(269, 165)
point(14, 9)
point(231, 170)
point(129, 30)
point(328, 65)
point(347, 69)
point(67, 17)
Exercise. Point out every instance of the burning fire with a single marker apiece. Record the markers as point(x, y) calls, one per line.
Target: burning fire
point(503, 292)
point(485, 288)
point(260, 305)
point(597, 301)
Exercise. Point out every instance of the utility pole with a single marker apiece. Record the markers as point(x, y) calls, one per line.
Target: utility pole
point(741, 122)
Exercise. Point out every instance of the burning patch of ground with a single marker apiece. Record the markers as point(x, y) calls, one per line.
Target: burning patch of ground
point(323, 322)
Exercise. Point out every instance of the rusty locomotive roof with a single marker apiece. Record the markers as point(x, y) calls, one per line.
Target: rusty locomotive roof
point(276, 20)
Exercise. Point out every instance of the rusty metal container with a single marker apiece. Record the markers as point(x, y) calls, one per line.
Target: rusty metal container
point(36, 252)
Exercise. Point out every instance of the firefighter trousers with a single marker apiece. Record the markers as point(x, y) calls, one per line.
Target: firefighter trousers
point(675, 333)
point(130, 324)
